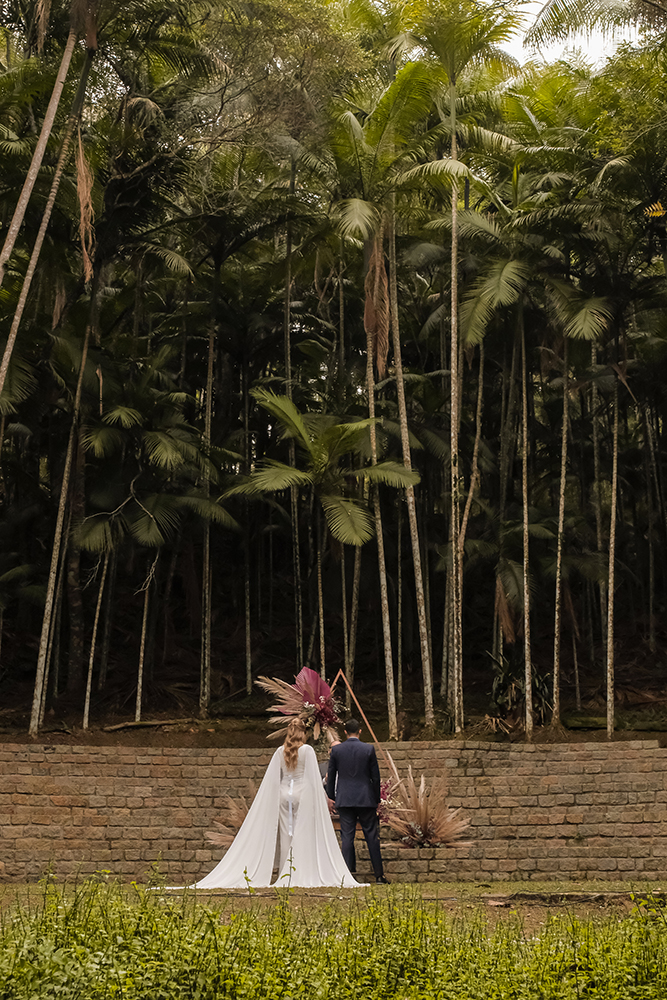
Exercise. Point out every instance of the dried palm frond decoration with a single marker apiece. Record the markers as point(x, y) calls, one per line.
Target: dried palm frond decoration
point(235, 812)
point(309, 698)
point(420, 815)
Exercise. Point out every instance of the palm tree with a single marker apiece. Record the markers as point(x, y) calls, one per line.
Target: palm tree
point(44, 135)
point(460, 36)
point(376, 152)
point(559, 20)
point(324, 444)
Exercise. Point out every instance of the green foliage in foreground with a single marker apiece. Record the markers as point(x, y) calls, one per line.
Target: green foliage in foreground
point(98, 941)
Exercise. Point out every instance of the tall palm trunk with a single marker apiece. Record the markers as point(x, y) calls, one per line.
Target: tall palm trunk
point(653, 433)
point(77, 640)
point(294, 493)
point(341, 312)
point(528, 664)
point(597, 504)
point(456, 632)
point(53, 645)
point(166, 600)
point(612, 569)
point(321, 535)
point(246, 554)
point(46, 217)
point(555, 714)
point(379, 538)
point(354, 621)
point(106, 628)
point(399, 601)
point(93, 642)
point(474, 468)
point(206, 596)
point(343, 602)
point(142, 644)
point(575, 662)
point(445, 667)
point(38, 155)
point(651, 567)
point(650, 516)
point(429, 716)
point(39, 689)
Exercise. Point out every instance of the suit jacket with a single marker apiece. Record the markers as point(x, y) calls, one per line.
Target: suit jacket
point(353, 778)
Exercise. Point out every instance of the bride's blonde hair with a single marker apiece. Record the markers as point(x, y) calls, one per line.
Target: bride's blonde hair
point(297, 734)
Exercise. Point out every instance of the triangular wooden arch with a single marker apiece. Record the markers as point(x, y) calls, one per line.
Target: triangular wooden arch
point(341, 673)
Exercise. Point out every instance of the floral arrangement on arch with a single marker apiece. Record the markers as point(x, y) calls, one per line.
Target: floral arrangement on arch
point(310, 698)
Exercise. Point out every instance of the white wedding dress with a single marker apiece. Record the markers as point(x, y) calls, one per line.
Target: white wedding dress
point(288, 827)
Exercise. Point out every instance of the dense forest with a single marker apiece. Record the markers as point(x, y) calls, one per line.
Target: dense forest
point(333, 337)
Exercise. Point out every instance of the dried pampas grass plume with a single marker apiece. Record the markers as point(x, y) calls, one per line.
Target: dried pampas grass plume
point(235, 812)
point(420, 815)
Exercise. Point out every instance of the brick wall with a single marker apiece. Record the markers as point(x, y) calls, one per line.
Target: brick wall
point(536, 812)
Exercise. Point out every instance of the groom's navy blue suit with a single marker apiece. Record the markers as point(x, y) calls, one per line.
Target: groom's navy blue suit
point(353, 781)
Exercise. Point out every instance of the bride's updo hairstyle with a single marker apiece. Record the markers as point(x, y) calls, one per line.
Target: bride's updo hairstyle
point(297, 734)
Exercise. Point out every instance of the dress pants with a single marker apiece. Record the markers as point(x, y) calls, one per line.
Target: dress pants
point(368, 819)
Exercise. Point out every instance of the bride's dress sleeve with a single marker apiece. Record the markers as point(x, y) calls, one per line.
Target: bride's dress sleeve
point(316, 859)
point(251, 857)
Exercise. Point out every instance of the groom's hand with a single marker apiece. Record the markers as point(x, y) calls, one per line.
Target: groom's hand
point(332, 806)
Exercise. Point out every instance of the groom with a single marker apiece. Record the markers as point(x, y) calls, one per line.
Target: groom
point(353, 780)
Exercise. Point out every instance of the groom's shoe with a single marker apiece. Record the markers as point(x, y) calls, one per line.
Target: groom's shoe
point(382, 881)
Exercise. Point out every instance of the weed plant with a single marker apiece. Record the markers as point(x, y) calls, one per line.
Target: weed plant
point(101, 940)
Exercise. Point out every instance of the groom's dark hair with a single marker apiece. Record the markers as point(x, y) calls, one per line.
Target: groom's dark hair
point(351, 726)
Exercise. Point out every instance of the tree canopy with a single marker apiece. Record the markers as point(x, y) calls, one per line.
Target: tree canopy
point(331, 336)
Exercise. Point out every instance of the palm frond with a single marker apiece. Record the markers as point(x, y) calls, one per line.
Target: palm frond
point(348, 521)
point(286, 413)
point(20, 384)
point(406, 101)
point(355, 217)
point(97, 533)
point(501, 286)
point(453, 169)
point(126, 416)
point(102, 441)
point(390, 474)
point(270, 477)
point(208, 510)
point(153, 518)
point(174, 261)
point(162, 450)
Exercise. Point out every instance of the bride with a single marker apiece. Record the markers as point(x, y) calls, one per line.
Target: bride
point(288, 827)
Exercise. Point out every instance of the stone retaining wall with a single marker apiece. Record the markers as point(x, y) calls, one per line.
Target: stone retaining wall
point(575, 811)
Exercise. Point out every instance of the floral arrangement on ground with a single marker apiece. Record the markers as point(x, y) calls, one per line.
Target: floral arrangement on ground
point(418, 814)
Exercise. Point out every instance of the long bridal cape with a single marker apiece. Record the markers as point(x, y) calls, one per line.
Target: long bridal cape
point(288, 825)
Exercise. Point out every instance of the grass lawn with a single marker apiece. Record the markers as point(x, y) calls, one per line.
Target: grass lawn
point(450, 941)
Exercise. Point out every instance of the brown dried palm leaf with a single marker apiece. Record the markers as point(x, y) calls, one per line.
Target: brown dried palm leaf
point(42, 12)
point(376, 310)
point(84, 186)
point(504, 612)
point(59, 303)
point(370, 318)
point(420, 815)
point(235, 812)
